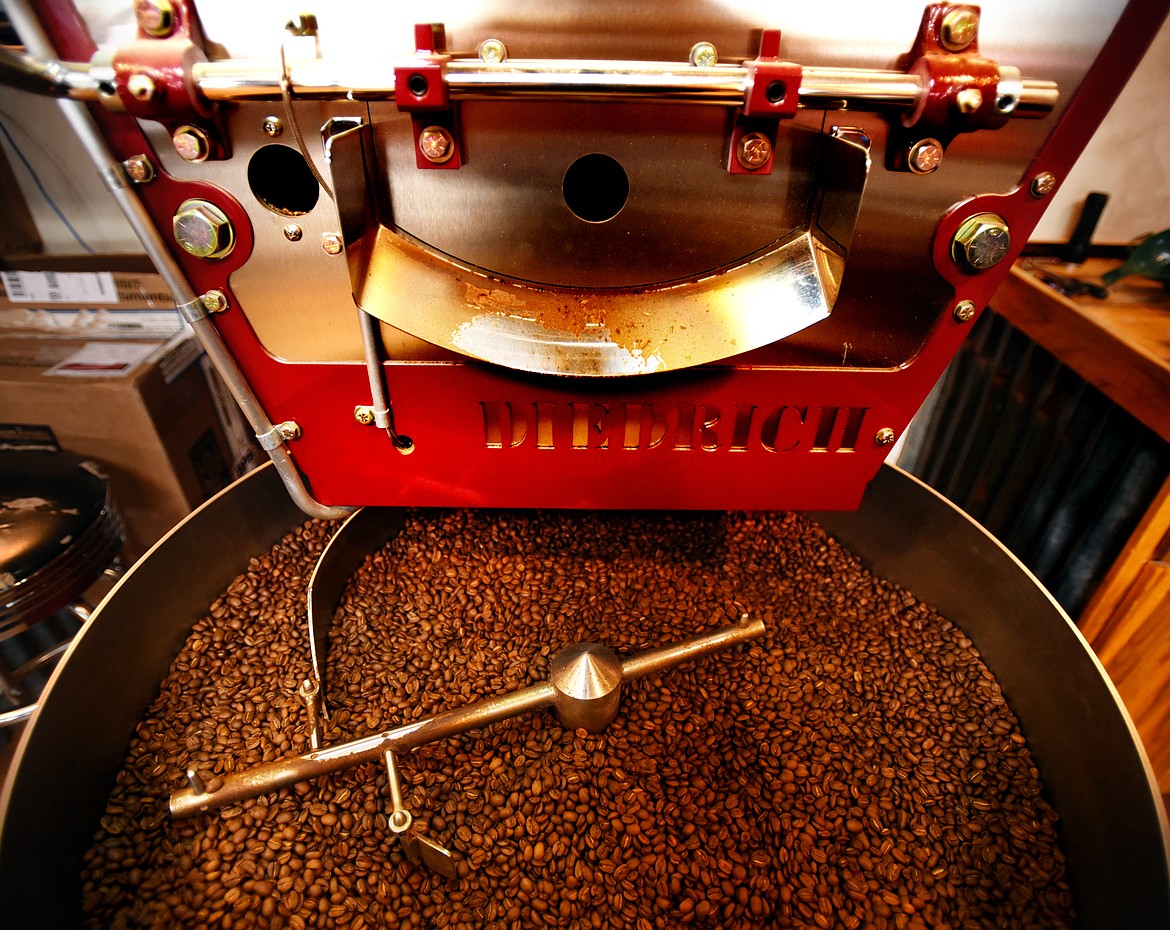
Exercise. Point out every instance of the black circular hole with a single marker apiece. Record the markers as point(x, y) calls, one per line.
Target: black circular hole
point(596, 187)
point(776, 91)
point(417, 84)
point(281, 180)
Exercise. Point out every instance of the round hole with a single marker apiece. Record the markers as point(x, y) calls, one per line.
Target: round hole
point(281, 180)
point(417, 84)
point(1006, 103)
point(776, 91)
point(596, 188)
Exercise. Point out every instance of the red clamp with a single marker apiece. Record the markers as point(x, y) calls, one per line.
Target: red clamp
point(420, 89)
point(152, 75)
point(772, 93)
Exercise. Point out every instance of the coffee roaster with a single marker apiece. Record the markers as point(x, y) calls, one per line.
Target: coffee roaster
point(592, 256)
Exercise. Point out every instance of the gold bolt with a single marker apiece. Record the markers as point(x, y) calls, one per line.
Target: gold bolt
point(1043, 185)
point(139, 169)
point(214, 301)
point(964, 311)
point(331, 243)
point(289, 430)
point(293, 232)
point(364, 415)
point(272, 126)
point(981, 242)
point(925, 156)
point(203, 229)
point(703, 55)
point(958, 29)
point(885, 436)
point(155, 17)
point(492, 51)
point(753, 151)
point(191, 143)
point(436, 144)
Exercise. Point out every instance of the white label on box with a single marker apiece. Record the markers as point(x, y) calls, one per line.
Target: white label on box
point(60, 287)
point(104, 359)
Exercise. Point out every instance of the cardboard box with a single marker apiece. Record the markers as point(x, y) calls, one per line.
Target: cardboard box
point(126, 282)
point(141, 409)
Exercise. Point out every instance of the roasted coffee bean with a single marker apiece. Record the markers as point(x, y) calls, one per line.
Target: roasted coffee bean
point(855, 767)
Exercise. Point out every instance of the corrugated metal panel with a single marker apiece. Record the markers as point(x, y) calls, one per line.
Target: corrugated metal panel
point(1052, 467)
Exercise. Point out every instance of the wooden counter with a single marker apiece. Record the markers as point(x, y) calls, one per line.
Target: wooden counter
point(1120, 344)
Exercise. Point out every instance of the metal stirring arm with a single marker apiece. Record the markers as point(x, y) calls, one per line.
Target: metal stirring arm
point(583, 689)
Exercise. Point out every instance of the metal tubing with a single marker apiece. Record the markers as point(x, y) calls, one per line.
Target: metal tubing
point(261, 779)
point(667, 82)
point(253, 782)
point(694, 647)
point(120, 186)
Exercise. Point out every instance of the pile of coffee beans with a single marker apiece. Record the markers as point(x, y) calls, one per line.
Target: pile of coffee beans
point(855, 767)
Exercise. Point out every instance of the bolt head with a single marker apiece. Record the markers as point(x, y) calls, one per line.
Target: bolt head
point(968, 100)
point(214, 301)
point(964, 311)
point(925, 156)
point(191, 143)
point(289, 430)
point(1043, 185)
point(364, 415)
point(155, 17)
point(492, 51)
point(139, 169)
point(885, 436)
point(981, 242)
point(293, 232)
point(436, 144)
point(958, 29)
point(703, 55)
point(273, 127)
point(332, 244)
point(203, 230)
point(754, 151)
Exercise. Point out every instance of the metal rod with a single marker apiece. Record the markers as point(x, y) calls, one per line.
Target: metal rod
point(666, 82)
point(261, 779)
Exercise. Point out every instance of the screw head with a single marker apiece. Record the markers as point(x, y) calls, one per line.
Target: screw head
point(191, 143)
point(332, 244)
point(754, 151)
point(968, 100)
point(958, 29)
point(885, 436)
point(293, 232)
point(289, 430)
point(436, 144)
point(364, 415)
point(492, 51)
point(155, 17)
point(214, 301)
point(703, 55)
point(925, 156)
point(141, 87)
point(981, 242)
point(1043, 185)
point(202, 229)
point(139, 169)
point(273, 127)
point(964, 311)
